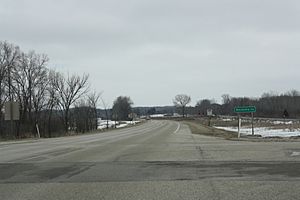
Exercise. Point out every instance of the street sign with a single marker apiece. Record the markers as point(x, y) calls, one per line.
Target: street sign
point(11, 110)
point(209, 112)
point(245, 109)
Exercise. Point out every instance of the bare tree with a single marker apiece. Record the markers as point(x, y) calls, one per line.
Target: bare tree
point(31, 80)
point(226, 103)
point(93, 99)
point(181, 100)
point(293, 93)
point(203, 105)
point(122, 107)
point(226, 98)
point(40, 85)
point(9, 58)
point(44, 95)
point(82, 116)
point(105, 106)
point(85, 117)
point(69, 90)
point(52, 99)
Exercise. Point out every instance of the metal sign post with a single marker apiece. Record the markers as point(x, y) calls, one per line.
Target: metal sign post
point(252, 123)
point(239, 126)
point(209, 113)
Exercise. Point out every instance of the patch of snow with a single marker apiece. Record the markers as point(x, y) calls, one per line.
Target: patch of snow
point(264, 131)
point(176, 115)
point(122, 125)
point(227, 120)
point(101, 127)
point(157, 115)
point(282, 122)
point(130, 122)
point(103, 123)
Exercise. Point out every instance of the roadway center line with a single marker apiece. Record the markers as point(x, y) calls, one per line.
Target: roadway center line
point(177, 128)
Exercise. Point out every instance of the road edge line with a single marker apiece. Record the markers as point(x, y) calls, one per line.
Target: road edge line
point(177, 128)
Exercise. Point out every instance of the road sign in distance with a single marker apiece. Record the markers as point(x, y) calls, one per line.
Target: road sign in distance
point(245, 109)
point(209, 112)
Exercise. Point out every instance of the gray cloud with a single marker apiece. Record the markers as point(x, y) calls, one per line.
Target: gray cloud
point(152, 50)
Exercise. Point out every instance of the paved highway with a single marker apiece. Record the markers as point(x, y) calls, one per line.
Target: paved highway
point(155, 160)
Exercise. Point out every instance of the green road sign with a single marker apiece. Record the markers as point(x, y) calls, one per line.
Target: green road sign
point(245, 109)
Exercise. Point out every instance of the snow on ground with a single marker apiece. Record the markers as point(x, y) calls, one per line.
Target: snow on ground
point(226, 120)
point(157, 115)
point(103, 123)
point(282, 122)
point(121, 124)
point(265, 132)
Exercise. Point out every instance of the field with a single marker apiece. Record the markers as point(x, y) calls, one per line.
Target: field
point(262, 126)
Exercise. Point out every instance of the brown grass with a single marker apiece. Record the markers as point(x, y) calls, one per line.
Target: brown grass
point(198, 128)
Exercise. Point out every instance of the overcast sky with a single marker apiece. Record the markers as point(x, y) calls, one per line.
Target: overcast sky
point(152, 50)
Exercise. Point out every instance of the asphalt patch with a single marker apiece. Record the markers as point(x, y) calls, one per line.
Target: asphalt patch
point(69, 172)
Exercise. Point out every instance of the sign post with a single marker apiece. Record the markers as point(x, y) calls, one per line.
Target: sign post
point(209, 113)
point(239, 128)
point(252, 123)
point(245, 109)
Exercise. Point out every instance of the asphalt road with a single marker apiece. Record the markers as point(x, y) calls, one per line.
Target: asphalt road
point(155, 160)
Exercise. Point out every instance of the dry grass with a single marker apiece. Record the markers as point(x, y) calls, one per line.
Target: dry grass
point(198, 128)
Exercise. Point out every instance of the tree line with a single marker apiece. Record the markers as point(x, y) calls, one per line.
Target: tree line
point(50, 102)
point(270, 104)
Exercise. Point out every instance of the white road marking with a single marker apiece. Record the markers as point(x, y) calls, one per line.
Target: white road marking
point(177, 128)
